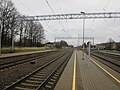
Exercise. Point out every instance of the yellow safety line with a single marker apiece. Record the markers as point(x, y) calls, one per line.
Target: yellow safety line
point(74, 75)
point(106, 71)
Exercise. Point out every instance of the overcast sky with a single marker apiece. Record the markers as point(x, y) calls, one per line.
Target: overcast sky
point(100, 29)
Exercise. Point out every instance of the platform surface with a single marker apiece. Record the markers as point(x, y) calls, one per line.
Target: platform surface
point(22, 53)
point(88, 76)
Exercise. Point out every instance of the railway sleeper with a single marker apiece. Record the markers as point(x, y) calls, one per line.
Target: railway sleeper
point(31, 85)
point(39, 76)
point(51, 83)
point(34, 81)
point(54, 77)
point(48, 87)
point(28, 86)
point(21, 88)
point(42, 74)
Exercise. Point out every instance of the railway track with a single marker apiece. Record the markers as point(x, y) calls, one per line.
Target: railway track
point(10, 59)
point(44, 78)
point(23, 59)
point(110, 62)
point(114, 56)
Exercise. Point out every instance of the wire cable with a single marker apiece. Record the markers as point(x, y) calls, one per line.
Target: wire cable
point(54, 13)
point(106, 5)
point(49, 6)
point(26, 6)
point(34, 12)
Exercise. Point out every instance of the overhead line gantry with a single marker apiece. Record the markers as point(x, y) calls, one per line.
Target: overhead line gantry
point(74, 16)
point(92, 38)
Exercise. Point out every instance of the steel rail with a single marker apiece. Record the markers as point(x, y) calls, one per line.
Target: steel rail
point(11, 87)
point(42, 86)
point(112, 64)
point(17, 62)
point(111, 55)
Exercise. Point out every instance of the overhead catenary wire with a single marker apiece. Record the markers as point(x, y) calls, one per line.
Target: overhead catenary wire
point(48, 26)
point(59, 6)
point(65, 22)
point(61, 11)
point(34, 12)
point(105, 21)
point(54, 13)
point(59, 21)
point(49, 6)
point(20, 1)
point(104, 8)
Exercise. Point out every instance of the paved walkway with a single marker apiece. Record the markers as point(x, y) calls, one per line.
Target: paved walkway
point(93, 78)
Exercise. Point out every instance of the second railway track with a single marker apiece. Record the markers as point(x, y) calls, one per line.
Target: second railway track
point(23, 59)
point(110, 62)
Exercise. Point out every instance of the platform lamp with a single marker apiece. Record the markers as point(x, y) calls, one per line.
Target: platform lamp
point(83, 33)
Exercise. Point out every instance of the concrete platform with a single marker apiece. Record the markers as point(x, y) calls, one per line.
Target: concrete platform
point(93, 78)
point(22, 53)
point(88, 76)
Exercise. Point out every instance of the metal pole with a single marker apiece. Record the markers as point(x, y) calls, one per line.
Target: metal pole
point(13, 42)
point(83, 33)
point(0, 31)
point(93, 43)
point(0, 39)
point(89, 49)
point(78, 40)
point(55, 42)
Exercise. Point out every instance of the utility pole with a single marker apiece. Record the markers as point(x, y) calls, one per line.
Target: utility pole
point(13, 39)
point(54, 42)
point(78, 40)
point(0, 30)
point(83, 33)
point(89, 48)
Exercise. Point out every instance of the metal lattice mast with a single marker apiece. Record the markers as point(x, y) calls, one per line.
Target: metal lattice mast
point(92, 38)
point(75, 16)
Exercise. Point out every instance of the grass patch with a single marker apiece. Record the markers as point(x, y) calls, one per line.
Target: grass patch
point(5, 51)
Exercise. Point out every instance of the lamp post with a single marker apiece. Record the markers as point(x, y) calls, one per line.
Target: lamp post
point(78, 40)
point(83, 33)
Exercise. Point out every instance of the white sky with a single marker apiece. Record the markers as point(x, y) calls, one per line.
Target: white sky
point(100, 29)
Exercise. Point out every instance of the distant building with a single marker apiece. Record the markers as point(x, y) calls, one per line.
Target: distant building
point(100, 46)
point(108, 46)
point(118, 46)
point(50, 45)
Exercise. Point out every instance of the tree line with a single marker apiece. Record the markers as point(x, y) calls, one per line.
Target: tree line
point(17, 30)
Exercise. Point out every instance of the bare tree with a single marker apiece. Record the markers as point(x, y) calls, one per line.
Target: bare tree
point(9, 14)
point(30, 33)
